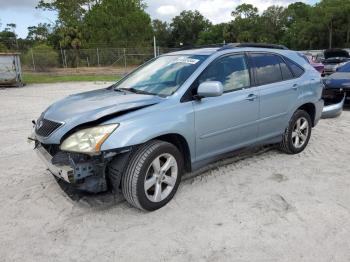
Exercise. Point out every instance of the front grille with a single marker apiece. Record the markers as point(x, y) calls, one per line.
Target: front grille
point(45, 127)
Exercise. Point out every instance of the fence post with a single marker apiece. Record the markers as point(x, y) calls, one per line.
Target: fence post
point(62, 56)
point(124, 60)
point(65, 58)
point(98, 57)
point(33, 59)
point(155, 46)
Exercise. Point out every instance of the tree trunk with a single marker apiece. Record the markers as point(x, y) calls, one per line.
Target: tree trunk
point(348, 34)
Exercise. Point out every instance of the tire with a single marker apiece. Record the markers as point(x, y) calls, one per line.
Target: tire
point(141, 173)
point(295, 140)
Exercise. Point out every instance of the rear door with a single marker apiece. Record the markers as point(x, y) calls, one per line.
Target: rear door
point(278, 92)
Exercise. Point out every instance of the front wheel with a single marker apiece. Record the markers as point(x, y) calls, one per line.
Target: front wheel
point(297, 135)
point(152, 175)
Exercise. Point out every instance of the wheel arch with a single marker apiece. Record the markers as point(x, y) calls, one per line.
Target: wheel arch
point(310, 108)
point(181, 144)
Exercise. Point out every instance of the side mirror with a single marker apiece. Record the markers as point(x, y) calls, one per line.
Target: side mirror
point(210, 89)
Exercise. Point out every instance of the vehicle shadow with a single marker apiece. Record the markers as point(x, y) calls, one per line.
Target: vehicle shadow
point(109, 199)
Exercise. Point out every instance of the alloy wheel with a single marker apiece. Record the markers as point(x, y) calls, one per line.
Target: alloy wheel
point(161, 177)
point(300, 132)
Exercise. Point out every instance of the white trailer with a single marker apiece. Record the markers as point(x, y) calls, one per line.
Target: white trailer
point(10, 70)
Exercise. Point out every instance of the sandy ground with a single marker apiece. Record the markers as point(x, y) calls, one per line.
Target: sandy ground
point(267, 206)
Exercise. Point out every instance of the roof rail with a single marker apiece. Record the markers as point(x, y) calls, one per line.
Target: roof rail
point(257, 45)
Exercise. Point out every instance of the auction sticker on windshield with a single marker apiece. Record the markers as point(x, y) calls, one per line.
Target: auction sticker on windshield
point(186, 60)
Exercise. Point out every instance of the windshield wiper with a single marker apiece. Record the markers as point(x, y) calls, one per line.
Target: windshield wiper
point(136, 91)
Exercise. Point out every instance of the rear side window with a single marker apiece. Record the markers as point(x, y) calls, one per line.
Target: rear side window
point(267, 68)
point(286, 73)
point(296, 69)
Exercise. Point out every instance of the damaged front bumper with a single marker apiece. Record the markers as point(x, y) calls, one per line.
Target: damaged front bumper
point(63, 172)
point(86, 173)
point(333, 110)
point(334, 103)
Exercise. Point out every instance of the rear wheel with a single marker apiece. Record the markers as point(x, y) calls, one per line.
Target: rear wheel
point(297, 135)
point(152, 175)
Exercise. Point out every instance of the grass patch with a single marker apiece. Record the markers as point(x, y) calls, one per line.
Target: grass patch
point(39, 78)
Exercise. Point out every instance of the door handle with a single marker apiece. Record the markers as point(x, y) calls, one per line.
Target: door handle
point(295, 87)
point(251, 97)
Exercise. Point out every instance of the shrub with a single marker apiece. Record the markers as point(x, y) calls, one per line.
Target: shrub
point(45, 58)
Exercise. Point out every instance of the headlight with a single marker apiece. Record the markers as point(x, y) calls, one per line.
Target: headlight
point(88, 140)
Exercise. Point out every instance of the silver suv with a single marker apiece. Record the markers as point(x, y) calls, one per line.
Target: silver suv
point(177, 113)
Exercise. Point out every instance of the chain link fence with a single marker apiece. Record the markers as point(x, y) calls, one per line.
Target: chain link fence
point(123, 59)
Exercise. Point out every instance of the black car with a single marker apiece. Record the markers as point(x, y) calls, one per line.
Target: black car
point(334, 58)
point(336, 91)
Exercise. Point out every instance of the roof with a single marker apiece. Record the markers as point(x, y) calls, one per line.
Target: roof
point(232, 46)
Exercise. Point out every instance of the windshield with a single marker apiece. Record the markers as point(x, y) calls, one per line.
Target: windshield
point(162, 76)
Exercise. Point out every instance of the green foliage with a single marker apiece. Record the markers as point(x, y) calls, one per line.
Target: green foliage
point(3, 48)
point(162, 32)
point(214, 35)
point(39, 33)
point(124, 23)
point(118, 23)
point(45, 57)
point(187, 26)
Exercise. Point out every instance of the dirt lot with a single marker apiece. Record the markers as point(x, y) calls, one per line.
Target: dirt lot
point(266, 207)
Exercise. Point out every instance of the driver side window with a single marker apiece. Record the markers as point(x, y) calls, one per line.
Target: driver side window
point(232, 71)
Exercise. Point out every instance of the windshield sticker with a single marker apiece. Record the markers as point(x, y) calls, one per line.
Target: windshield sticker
point(185, 60)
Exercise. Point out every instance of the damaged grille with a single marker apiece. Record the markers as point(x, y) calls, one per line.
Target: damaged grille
point(45, 127)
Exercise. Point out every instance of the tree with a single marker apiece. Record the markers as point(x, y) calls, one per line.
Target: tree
point(273, 21)
point(39, 33)
point(162, 32)
point(187, 26)
point(118, 23)
point(329, 10)
point(214, 35)
point(70, 13)
point(245, 26)
point(245, 11)
point(44, 56)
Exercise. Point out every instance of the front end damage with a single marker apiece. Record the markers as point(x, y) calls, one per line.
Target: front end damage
point(84, 172)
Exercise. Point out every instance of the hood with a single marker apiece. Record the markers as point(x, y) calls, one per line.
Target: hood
point(336, 56)
point(90, 106)
point(338, 80)
point(335, 53)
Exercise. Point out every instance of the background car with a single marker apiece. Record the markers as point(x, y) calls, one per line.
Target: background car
point(319, 66)
point(334, 58)
point(336, 91)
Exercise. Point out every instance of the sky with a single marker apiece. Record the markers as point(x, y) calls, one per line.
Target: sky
point(24, 14)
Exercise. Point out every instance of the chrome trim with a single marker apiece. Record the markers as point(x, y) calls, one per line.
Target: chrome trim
point(334, 110)
point(62, 172)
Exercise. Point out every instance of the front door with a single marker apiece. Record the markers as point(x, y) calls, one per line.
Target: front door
point(229, 121)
